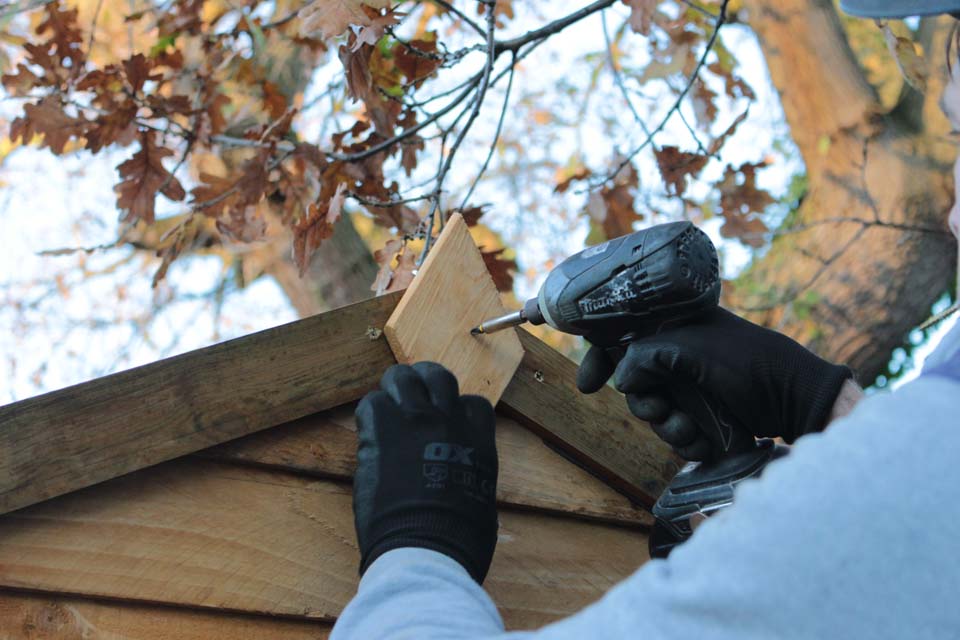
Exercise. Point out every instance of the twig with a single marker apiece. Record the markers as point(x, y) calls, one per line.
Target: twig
point(721, 19)
point(93, 27)
point(554, 27)
point(449, 7)
point(618, 77)
point(389, 142)
point(496, 134)
point(474, 112)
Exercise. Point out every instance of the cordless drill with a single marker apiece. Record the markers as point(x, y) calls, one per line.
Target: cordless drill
point(630, 287)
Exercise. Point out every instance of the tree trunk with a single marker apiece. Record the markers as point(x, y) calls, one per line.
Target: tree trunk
point(340, 272)
point(868, 251)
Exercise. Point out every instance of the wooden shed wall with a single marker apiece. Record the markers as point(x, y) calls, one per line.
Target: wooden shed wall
point(255, 539)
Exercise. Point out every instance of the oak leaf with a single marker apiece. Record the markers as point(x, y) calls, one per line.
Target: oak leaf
point(405, 271)
point(641, 14)
point(612, 206)
point(741, 203)
point(384, 257)
point(417, 60)
point(676, 165)
point(143, 176)
point(137, 70)
point(500, 270)
point(371, 32)
point(316, 226)
point(471, 215)
point(48, 118)
point(66, 35)
point(333, 17)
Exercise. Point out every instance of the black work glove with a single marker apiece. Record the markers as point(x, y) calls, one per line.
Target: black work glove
point(751, 376)
point(426, 469)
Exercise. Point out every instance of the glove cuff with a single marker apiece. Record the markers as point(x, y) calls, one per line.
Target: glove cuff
point(467, 540)
point(829, 380)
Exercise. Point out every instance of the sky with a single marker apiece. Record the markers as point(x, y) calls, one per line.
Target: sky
point(62, 323)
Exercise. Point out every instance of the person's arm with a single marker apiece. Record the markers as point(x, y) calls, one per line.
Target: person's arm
point(848, 398)
point(851, 535)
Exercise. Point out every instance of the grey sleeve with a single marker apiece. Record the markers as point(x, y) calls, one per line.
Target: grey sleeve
point(854, 534)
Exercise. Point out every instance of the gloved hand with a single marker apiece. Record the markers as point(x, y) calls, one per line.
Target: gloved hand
point(763, 380)
point(426, 469)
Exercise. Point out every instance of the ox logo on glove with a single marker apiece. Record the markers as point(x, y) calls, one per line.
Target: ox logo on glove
point(448, 452)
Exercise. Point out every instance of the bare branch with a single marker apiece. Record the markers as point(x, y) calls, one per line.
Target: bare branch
point(721, 19)
point(496, 134)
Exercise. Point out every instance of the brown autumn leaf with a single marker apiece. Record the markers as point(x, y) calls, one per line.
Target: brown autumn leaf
point(641, 14)
point(214, 194)
point(676, 165)
point(332, 17)
point(471, 215)
point(418, 59)
point(612, 206)
point(580, 173)
point(48, 118)
point(356, 67)
point(371, 32)
point(231, 195)
point(143, 176)
point(734, 85)
point(66, 35)
point(500, 270)
point(23, 81)
point(704, 105)
point(316, 227)
point(405, 271)
point(911, 63)
point(742, 202)
point(718, 143)
point(137, 70)
point(384, 257)
point(273, 100)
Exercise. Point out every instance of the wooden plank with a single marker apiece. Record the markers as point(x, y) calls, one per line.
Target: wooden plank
point(595, 429)
point(531, 474)
point(200, 534)
point(72, 438)
point(452, 293)
point(37, 616)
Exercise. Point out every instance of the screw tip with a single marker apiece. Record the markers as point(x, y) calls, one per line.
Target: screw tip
point(476, 330)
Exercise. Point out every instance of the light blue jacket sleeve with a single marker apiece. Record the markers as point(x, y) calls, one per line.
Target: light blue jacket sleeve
point(855, 534)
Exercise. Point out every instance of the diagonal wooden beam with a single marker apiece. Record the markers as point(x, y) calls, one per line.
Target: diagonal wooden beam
point(75, 437)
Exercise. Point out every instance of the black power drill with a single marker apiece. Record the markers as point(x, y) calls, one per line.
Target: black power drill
point(630, 287)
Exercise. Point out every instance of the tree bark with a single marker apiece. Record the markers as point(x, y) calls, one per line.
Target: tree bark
point(340, 272)
point(867, 252)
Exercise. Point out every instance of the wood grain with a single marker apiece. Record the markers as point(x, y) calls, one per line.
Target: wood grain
point(452, 293)
point(595, 429)
point(36, 616)
point(531, 474)
point(72, 438)
point(211, 536)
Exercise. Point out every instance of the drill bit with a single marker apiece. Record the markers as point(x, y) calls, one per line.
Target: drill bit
point(496, 324)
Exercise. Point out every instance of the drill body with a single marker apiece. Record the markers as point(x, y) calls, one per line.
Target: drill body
point(630, 285)
point(629, 288)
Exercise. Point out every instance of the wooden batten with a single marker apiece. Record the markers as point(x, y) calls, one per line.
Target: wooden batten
point(225, 538)
point(52, 616)
point(532, 475)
